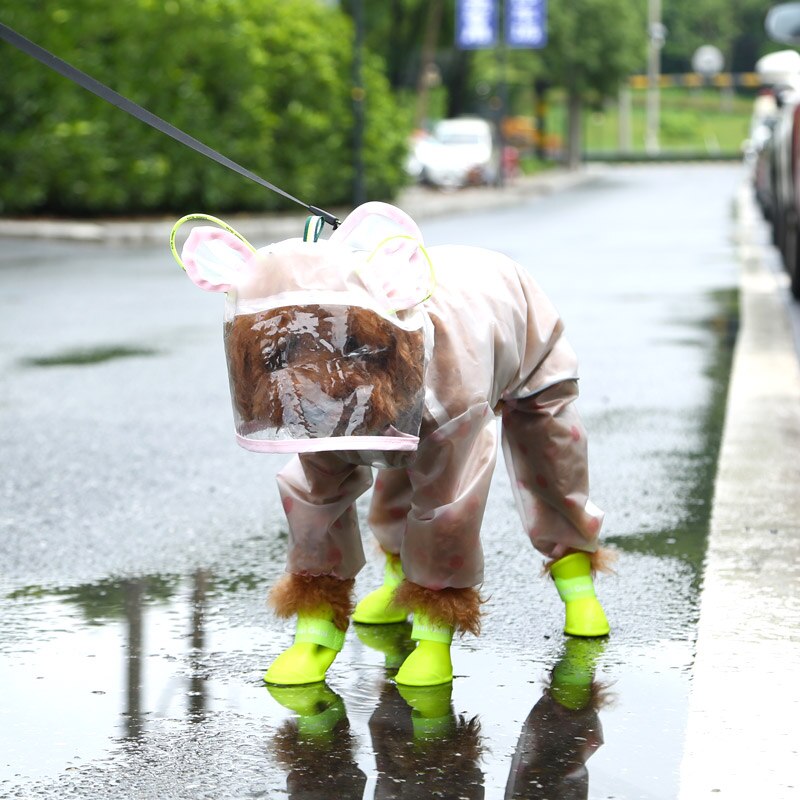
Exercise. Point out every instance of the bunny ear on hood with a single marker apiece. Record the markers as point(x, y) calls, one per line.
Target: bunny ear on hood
point(397, 272)
point(213, 258)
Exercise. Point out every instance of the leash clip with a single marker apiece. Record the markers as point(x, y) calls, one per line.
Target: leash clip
point(331, 219)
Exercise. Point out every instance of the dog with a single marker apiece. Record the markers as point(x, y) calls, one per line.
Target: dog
point(368, 350)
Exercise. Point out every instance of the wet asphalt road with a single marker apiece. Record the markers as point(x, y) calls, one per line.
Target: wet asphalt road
point(137, 541)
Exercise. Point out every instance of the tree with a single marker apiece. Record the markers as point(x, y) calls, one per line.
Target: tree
point(592, 46)
point(265, 82)
point(736, 27)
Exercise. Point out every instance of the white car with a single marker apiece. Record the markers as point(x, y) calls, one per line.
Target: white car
point(461, 152)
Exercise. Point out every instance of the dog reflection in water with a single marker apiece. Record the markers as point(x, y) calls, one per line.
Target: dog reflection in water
point(424, 749)
point(316, 746)
point(563, 729)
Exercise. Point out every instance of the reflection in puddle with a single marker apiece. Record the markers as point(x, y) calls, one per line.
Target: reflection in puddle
point(125, 680)
point(563, 729)
point(423, 749)
point(72, 703)
point(317, 747)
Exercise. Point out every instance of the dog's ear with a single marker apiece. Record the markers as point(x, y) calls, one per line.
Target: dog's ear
point(398, 272)
point(214, 257)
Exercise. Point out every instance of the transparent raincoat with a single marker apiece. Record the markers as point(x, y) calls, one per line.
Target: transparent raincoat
point(367, 350)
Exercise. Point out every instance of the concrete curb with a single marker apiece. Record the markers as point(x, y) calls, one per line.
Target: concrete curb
point(742, 739)
point(421, 203)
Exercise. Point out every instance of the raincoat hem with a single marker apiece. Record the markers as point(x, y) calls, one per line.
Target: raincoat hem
point(328, 443)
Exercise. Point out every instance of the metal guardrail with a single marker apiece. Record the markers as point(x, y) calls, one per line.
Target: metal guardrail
point(664, 156)
point(724, 80)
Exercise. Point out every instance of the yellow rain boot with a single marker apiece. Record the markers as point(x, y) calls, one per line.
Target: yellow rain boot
point(317, 642)
point(573, 578)
point(572, 677)
point(376, 608)
point(430, 663)
point(318, 708)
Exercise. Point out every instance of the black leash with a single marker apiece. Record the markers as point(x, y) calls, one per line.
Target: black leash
point(142, 114)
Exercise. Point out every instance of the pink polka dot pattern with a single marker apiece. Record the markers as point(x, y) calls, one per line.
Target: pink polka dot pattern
point(335, 555)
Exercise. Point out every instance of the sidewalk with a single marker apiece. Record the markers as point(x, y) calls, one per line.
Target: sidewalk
point(742, 737)
point(420, 202)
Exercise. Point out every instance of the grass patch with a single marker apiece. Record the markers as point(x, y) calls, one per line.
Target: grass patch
point(692, 121)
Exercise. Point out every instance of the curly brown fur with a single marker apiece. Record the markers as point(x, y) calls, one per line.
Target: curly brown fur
point(280, 350)
point(459, 608)
point(602, 561)
point(293, 594)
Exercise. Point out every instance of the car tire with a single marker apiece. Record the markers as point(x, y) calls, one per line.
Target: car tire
point(778, 224)
point(791, 256)
point(793, 268)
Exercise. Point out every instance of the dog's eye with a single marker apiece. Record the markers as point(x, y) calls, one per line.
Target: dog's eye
point(274, 358)
point(351, 345)
point(355, 347)
point(367, 351)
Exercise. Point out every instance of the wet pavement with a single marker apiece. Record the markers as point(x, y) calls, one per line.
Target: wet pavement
point(137, 541)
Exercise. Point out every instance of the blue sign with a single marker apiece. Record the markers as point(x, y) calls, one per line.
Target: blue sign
point(476, 24)
point(526, 23)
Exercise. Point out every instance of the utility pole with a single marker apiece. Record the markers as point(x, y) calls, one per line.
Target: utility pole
point(358, 94)
point(428, 72)
point(656, 35)
point(624, 129)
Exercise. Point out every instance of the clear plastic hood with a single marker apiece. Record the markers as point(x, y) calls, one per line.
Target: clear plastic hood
point(317, 375)
point(326, 341)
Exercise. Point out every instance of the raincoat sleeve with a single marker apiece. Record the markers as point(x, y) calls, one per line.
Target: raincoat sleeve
point(448, 485)
point(430, 513)
point(544, 441)
point(319, 491)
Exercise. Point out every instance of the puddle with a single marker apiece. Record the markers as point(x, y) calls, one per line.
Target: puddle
point(86, 356)
point(94, 666)
point(146, 683)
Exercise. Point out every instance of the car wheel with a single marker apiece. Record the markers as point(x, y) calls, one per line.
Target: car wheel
point(792, 265)
point(791, 256)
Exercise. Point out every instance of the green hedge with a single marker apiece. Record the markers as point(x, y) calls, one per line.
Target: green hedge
point(265, 82)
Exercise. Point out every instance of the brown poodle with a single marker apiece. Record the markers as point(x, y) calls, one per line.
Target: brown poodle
point(268, 349)
point(367, 350)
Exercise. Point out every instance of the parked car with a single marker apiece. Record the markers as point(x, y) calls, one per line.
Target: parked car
point(757, 150)
point(777, 175)
point(459, 152)
point(777, 73)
